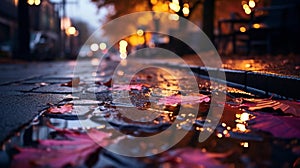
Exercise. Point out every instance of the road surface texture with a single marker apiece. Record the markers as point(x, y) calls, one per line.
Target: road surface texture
point(86, 114)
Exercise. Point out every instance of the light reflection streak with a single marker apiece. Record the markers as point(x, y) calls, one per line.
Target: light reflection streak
point(244, 144)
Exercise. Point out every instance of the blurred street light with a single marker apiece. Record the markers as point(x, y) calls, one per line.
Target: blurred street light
point(153, 2)
point(186, 9)
point(94, 47)
point(251, 3)
point(140, 32)
point(248, 6)
point(256, 26)
point(65, 23)
point(102, 46)
point(34, 2)
point(71, 31)
point(174, 6)
point(123, 49)
point(243, 29)
point(123, 43)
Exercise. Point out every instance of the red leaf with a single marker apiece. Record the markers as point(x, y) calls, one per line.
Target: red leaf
point(286, 106)
point(73, 83)
point(107, 83)
point(189, 158)
point(61, 109)
point(278, 126)
point(58, 153)
point(179, 99)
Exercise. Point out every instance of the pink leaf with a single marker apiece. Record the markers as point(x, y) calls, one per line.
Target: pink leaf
point(127, 87)
point(189, 158)
point(58, 153)
point(278, 126)
point(61, 109)
point(286, 106)
point(179, 99)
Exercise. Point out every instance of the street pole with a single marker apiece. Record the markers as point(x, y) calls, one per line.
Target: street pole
point(23, 49)
point(63, 40)
point(63, 16)
point(208, 18)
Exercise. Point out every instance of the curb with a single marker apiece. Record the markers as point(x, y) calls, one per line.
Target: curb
point(254, 82)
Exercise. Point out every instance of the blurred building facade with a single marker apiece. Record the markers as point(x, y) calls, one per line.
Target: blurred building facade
point(42, 18)
point(8, 26)
point(268, 27)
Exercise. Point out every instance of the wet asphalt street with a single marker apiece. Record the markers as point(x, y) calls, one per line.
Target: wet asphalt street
point(20, 97)
point(139, 98)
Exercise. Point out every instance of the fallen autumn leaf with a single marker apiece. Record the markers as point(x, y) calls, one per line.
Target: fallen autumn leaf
point(72, 151)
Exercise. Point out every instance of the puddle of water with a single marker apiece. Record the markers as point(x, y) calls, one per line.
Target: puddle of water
point(245, 147)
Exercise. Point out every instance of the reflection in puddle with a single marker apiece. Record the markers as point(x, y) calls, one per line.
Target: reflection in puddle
point(241, 122)
point(233, 136)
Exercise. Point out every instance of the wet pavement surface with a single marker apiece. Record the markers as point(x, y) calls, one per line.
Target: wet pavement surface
point(281, 65)
point(80, 114)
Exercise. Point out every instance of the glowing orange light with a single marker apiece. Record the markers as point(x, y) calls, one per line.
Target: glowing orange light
point(248, 65)
point(256, 26)
point(225, 132)
point(175, 7)
point(245, 6)
point(102, 46)
point(141, 40)
point(30, 2)
point(241, 127)
point(186, 11)
point(245, 117)
point(123, 43)
point(153, 2)
point(15, 2)
point(71, 31)
point(251, 3)
point(140, 32)
point(243, 29)
point(37, 2)
point(175, 2)
point(165, 7)
point(245, 144)
point(123, 50)
point(248, 11)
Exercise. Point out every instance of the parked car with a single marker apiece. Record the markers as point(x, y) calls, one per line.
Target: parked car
point(6, 49)
point(85, 51)
point(43, 45)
